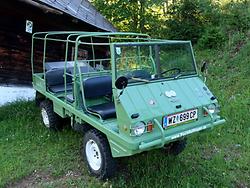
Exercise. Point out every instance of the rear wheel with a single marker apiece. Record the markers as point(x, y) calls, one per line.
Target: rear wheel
point(39, 98)
point(97, 155)
point(49, 118)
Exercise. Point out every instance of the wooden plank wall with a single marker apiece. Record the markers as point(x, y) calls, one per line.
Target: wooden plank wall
point(15, 43)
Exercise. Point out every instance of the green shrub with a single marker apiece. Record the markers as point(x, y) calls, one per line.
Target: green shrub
point(189, 19)
point(213, 37)
point(236, 16)
point(185, 21)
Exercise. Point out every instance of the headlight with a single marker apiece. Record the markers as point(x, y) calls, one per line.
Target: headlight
point(211, 108)
point(139, 129)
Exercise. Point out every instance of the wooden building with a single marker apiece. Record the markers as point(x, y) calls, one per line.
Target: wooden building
point(20, 18)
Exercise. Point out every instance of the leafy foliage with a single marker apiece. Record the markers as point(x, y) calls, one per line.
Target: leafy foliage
point(237, 16)
point(213, 37)
point(185, 21)
point(209, 22)
point(130, 15)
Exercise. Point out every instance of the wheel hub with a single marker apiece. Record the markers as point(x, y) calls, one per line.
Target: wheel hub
point(45, 117)
point(93, 155)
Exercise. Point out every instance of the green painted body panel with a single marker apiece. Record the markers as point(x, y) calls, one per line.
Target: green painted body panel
point(189, 91)
point(146, 99)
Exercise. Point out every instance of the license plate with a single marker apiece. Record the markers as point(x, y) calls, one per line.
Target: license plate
point(179, 118)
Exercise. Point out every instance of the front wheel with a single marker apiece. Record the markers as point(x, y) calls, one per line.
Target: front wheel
point(176, 147)
point(97, 155)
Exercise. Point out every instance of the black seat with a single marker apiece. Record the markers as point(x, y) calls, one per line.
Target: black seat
point(61, 88)
point(106, 110)
point(55, 80)
point(139, 74)
point(100, 86)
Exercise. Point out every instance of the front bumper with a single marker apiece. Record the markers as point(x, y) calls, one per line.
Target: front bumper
point(175, 135)
point(123, 147)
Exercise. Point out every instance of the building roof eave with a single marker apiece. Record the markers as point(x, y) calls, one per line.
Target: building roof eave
point(80, 9)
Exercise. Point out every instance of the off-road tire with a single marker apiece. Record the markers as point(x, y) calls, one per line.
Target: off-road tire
point(39, 98)
point(108, 163)
point(176, 147)
point(53, 119)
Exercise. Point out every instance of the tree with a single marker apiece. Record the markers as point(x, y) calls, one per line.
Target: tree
point(131, 15)
point(209, 20)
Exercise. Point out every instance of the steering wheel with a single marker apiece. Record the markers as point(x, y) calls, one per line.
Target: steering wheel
point(178, 71)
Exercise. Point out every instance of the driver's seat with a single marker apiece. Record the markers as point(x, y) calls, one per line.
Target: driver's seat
point(140, 74)
point(106, 110)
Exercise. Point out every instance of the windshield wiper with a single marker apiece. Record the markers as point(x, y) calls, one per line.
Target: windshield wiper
point(140, 79)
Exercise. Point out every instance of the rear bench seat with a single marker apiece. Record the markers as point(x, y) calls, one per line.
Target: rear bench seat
point(100, 86)
point(55, 80)
point(94, 87)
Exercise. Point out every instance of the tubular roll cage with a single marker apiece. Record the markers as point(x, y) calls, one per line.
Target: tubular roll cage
point(74, 37)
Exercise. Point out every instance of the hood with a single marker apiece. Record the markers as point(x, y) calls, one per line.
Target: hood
point(161, 98)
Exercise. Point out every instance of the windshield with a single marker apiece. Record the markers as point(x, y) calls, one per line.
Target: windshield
point(145, 63)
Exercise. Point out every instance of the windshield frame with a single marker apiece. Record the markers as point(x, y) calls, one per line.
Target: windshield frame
point(114, 56)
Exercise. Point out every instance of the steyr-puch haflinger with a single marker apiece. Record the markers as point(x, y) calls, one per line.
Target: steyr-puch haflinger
point(129, 93)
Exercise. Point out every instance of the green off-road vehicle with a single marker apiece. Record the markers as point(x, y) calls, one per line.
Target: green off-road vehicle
point(127, 92)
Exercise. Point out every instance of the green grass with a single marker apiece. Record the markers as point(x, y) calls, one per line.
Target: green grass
point(31, 154)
